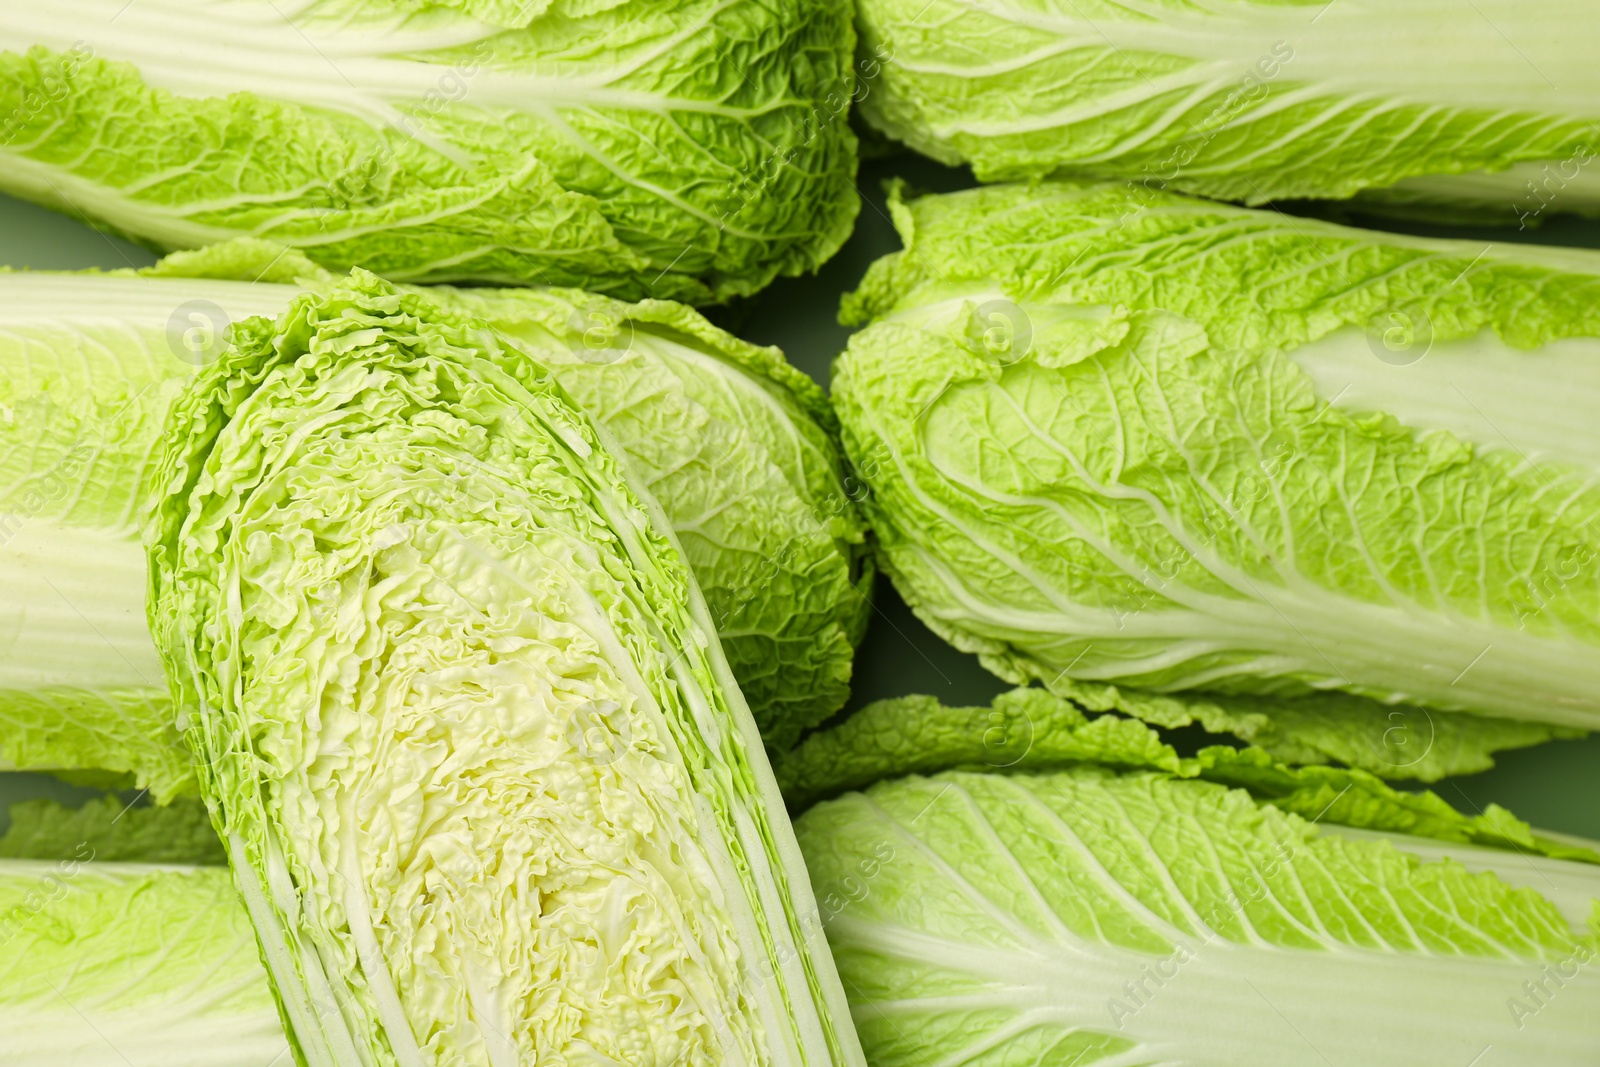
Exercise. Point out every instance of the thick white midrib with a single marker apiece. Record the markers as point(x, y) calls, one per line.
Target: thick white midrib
point(1200, 81)
point(1362, 647)
point(358, 923)
point(296, 969)
point(1539, 404)
point(1235, 1006)
point(61, 189)
point(1563, 185)
point(63, 300)
point(117, 872)
point(72, 610)
point(1422, 51)
point(52, 1032)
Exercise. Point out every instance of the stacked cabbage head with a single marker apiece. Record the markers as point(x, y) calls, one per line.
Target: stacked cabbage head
point(1176, 445)
point(687, 150)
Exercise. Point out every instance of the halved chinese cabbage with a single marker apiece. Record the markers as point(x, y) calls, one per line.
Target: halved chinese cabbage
point(486, 783)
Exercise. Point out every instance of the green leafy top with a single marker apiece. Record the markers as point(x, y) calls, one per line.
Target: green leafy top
point(1027, 730)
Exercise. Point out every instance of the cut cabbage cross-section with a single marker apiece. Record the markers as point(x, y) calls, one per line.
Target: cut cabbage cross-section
point(488, 788)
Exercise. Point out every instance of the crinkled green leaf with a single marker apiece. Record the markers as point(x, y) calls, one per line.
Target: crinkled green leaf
point(736, 445)
point(688, 151)
point(1391, 740)
point(1255, 100)
point(114, 830)
point(129, 731)
point(1318, 459)
point(1087, 917)
point(485, 780)
point(1036, 730)
point(1354, 798)
point(1024, 729)
point(109, 964)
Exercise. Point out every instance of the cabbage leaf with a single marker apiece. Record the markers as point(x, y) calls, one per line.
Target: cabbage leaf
point(1030, 730)
point(1088, 916)
point(106, 964)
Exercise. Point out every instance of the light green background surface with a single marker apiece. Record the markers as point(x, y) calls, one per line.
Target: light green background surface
point(1555, 786)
